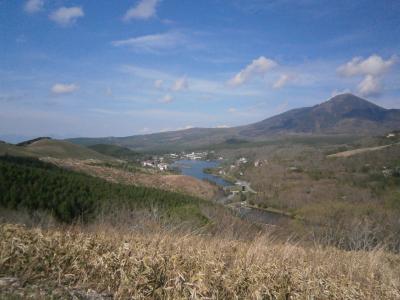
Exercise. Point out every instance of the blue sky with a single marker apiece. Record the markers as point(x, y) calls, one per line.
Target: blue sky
point(102, 68)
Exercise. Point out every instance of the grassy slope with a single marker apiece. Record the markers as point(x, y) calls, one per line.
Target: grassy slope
point(71, 156)
point(52, 148)
point(63, 149)
point(169, 265)
point(115, 151)
point(10, 149)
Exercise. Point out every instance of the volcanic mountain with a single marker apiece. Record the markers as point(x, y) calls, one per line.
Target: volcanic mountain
point(344, 114)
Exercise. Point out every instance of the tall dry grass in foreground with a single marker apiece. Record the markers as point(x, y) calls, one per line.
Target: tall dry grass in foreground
point(170, 265)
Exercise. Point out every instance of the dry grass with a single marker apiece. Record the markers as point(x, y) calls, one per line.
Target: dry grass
point(164, 264)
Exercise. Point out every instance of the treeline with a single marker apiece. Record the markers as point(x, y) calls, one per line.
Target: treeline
point(27, 183)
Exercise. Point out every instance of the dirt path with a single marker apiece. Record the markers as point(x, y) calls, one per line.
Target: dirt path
point(360, 150)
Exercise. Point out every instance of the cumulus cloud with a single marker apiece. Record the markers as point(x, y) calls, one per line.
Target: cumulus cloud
point(372, 68)
point(65, 16)
point(166, 99)
point(370, 86)
point(258, 67)
point(152, 42)
point(180, 84)
point(33, 6)
point(373, 65)
point(283, 80)
point(232, 110)
point(62, 88)
point(143, 10)
point(158, 84)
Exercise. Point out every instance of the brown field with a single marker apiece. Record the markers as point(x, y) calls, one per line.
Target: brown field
point(164, 264)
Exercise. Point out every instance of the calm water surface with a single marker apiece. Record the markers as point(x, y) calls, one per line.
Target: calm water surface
point(195, 169)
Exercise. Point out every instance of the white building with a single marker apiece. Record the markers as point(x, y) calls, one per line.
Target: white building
point(162, 166)
point(148, 163)
point(242, 160)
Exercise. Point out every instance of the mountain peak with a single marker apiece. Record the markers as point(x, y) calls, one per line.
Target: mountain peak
point(344, 103)
point(347, 97)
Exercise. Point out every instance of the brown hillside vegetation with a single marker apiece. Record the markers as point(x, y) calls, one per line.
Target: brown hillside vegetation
point(168, 265)
point(177, 183)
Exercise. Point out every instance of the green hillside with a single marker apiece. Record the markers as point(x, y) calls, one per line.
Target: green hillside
point(27, 183)
point(63, 149)
point(10, 149)
point(51, 148)
point(115, 151)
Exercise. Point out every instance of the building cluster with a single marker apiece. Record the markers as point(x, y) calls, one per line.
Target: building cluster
point(162, 162)
point(260, 162)
point(156, 163)
point(191, 155)
point(241, 161)
point(388, 172)
point(391, 135)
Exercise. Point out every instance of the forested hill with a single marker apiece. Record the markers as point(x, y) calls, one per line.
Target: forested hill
point(27, 183)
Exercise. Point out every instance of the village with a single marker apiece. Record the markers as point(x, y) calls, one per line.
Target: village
point(164, 162)
point(230, 171)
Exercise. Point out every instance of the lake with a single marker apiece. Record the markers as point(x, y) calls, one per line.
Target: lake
point(195, 169)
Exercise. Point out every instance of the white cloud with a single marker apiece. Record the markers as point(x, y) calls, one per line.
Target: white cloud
point(372, 68)
point(166, 99)
point(61, 88)
point(212, 88)
point(282, 81)
point(258, 66)
point(144, 9)
point(373, 65)
point(158, 84)
point(232, 110)
point(33, 6)
point(370, 86)
point(65, 16)
point(180, 84)
point(153, 42)
point(222, 126)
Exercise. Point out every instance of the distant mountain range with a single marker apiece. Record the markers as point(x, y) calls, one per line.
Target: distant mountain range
point(343, 114)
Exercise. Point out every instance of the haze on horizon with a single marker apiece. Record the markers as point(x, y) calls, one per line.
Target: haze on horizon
point(103, 68)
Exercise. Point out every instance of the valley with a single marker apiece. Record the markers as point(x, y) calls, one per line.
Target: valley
point(317, 196)
point(202, 150)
